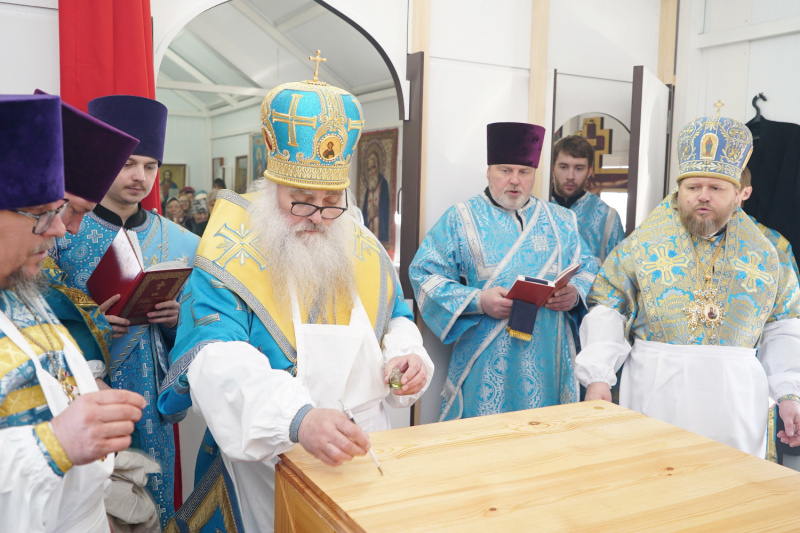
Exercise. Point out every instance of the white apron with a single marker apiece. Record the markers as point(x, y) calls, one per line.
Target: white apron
point(720, 392)
point(78, 507)
point(337, 364)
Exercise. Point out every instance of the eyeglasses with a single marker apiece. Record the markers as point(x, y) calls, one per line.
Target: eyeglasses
point(43, 220)
point(302, 209)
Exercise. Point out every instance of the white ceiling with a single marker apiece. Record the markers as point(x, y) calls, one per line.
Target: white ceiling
point(230, 56)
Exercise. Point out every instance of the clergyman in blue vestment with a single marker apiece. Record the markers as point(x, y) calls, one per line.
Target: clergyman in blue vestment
point(598, 222)
point(465, 266)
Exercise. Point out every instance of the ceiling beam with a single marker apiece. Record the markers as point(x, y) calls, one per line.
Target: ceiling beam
point(244, 104)
point(212, 88)
point(372, 87)
point(192, 71)
point(187, 96)
point(301, 16)
point(243, 61)
point(378, 95)
point(301, 55)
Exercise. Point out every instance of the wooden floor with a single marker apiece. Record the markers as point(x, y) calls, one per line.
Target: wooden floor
point(592, 466)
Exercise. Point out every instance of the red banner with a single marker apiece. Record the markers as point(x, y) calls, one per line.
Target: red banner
point(106, 48)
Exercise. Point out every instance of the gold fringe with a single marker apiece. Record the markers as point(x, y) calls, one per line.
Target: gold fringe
point(519, 335)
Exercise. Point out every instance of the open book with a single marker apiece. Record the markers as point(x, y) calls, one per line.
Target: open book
point(537, 291)
point(121, 271)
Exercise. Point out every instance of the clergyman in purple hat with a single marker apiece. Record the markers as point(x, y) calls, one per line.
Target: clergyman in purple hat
point(508, 354)
point(138, 354)
point(94, 153)
point(55, 426)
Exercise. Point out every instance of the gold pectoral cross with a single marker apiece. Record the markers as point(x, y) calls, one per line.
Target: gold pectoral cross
point(704, 309)
point(68, 389)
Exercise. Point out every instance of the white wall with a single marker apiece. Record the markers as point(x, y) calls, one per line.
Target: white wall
point(230, 138)
point(185, 143)
point(29, 37)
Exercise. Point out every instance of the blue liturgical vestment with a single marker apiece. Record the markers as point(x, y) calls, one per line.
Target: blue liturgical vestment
point(139, 360)
point(781, 244)
point(598, 223)
point(477, 245)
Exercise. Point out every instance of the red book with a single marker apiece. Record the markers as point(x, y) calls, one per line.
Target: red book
point(537, 291)
point(121, 271)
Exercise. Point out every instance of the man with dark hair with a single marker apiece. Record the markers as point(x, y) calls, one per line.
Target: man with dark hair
point(696, 287)
point(139, 355)
point(599, 223)
point(58, 433)
point(469, 260)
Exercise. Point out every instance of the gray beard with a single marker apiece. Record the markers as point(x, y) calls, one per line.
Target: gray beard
point(316, 265)
point(26, 287)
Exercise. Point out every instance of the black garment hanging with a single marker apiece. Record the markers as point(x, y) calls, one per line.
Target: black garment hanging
point(775, 169)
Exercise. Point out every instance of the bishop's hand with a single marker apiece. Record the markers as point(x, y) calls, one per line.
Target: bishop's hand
point(331, 437)
point(598, 391)
point(415, 373)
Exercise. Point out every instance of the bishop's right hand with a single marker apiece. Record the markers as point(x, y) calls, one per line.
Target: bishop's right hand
point(331, 437)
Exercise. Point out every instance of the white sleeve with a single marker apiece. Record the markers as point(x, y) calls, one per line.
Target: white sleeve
point(779, 353)
point(247, 404)
point(98, 368)
point(403, 338)
point(29, 489)
point(604, 346)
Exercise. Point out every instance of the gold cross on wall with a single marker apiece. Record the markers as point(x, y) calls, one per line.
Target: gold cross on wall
point(293, 119)
point(316, 68)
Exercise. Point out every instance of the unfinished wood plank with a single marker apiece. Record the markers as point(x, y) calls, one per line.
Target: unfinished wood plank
point(587, 466)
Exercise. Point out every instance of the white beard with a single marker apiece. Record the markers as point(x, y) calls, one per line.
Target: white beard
point(317, 265)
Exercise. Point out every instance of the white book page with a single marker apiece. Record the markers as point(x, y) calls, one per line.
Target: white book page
point(136, 246)
point(167, 265)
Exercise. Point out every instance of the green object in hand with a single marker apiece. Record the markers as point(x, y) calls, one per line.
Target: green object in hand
point(394, 378)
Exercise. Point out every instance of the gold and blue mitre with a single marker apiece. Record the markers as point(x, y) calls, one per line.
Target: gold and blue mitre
point(714, 147)
point(311, 129)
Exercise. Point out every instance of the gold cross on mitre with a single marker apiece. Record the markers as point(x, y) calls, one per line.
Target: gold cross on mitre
point(718, 105)
point(316, 68)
